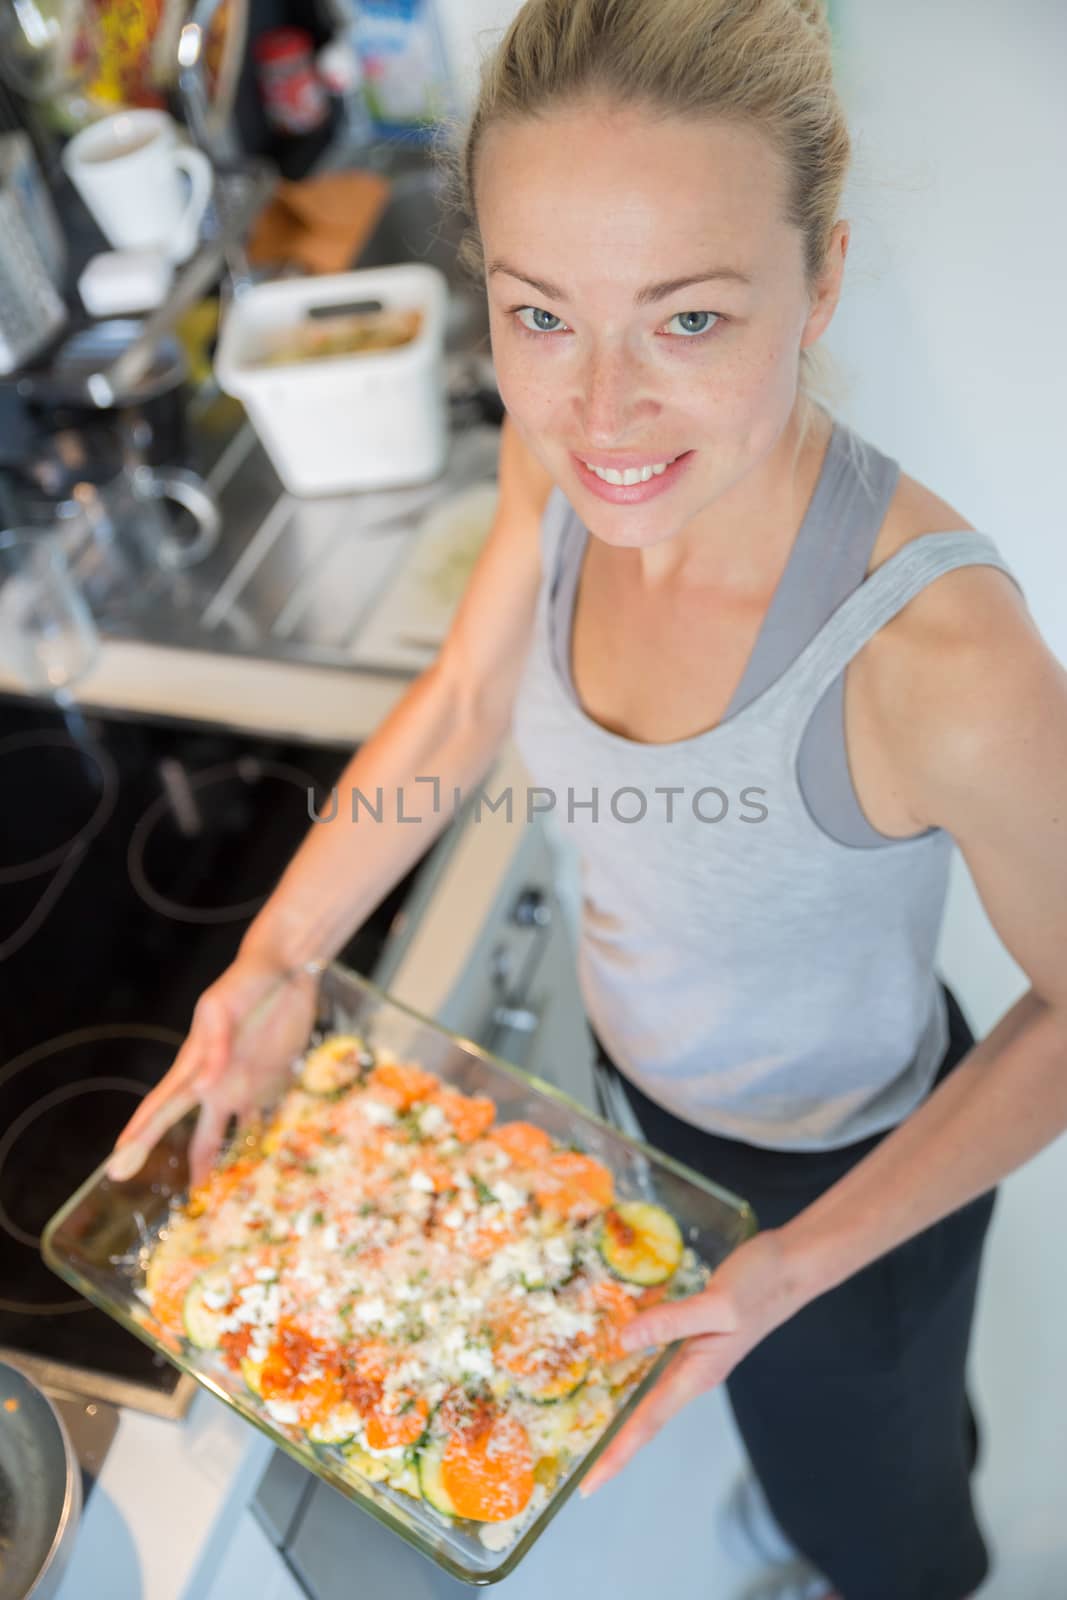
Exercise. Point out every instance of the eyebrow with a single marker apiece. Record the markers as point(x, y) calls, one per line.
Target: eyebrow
point(649, 295)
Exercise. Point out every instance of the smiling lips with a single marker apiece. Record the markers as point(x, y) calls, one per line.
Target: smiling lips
point(630, 475)
point(629, 480)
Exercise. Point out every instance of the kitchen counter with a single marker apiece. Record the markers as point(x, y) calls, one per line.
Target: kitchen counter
point(163, 1507)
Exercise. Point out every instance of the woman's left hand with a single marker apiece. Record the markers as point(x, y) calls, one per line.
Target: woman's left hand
point(751, 1293)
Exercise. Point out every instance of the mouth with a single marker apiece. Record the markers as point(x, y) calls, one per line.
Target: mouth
point(629, 480)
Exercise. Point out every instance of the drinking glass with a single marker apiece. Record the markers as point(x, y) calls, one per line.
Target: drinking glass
point(47, 635)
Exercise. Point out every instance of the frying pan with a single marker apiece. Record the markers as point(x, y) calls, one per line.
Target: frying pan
point(40, 1490)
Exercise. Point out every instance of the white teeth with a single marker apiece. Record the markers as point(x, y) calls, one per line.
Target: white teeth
point(631, 474)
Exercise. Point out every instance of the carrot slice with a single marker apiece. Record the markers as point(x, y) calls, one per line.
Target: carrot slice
point(524, 1142)
point(487, 1469)
point(387, 1428)
point(405, 1079)
point(615, 1308)
point(372, 1359)
point(170, 1285)
point(571, 1184)
point(469, 1115)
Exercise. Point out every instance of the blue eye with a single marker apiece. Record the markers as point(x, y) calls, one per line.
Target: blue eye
point(538, 326)
point(704, 319)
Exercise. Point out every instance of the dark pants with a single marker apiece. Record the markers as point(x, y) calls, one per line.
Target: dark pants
point(855, 1413)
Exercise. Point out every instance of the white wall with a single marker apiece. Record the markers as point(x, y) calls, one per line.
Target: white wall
point(951, 339)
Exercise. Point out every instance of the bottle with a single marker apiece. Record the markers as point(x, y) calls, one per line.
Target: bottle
point(405, 73)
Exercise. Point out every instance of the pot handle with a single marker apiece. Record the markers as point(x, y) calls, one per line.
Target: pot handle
point(186, 489)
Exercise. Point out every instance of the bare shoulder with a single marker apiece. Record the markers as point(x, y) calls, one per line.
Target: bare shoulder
point(956, 666)
point(969, 601)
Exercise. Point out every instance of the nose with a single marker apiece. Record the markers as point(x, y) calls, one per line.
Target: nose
point(611, 396)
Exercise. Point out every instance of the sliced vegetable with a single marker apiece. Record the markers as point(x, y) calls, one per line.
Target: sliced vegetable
point(406, 1425)
point(335, 1065)
point(571, 1184)
point(469, 1115)
point(551, 1382)
point(486, 1469)
point(366, 1465)
point(431, 1483)
point(641, 1243)
point(252, 1373)
point(339, 1426)
point(524, 1142)
point(204, 1310)
point(406, 1079)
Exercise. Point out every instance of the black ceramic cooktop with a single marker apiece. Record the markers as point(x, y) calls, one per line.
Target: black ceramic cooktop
point(133, 855)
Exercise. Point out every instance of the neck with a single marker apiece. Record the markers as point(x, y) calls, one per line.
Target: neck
point(743, 539)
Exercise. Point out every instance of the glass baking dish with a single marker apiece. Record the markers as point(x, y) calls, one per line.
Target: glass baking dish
point(102, 1238)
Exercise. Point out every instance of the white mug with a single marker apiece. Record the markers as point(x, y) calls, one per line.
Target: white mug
point(128, 168)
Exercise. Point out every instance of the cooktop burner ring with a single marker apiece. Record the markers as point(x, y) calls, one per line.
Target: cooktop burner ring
point(55, 1097)
point(179, 799)
point(135, 1033)
point(60, 855)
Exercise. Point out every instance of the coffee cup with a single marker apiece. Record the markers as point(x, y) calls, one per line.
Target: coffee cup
point(145, 189)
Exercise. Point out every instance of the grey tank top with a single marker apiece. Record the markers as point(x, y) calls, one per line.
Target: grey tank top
point(753, 954)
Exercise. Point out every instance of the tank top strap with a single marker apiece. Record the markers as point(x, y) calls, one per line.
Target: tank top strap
point(555, 520)
point(874, 603)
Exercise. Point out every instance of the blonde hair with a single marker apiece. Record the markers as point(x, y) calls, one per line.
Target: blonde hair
point(765, 63)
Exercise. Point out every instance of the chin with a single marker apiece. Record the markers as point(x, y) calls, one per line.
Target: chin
point(625, 532)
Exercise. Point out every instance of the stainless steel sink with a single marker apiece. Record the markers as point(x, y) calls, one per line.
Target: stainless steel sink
point(294, 579)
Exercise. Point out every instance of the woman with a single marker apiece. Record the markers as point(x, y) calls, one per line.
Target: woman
point(810, 678)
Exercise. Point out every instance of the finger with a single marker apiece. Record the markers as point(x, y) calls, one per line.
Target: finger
point(708, 1312)
point(132, 1148)
point(684, 1379)
point(182, 1072)
point(214, 1036)
point(207, 1137)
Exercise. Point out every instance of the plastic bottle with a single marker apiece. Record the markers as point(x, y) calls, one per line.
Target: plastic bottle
point(405, 73)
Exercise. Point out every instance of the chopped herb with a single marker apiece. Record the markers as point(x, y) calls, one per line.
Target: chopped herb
point(309, 1166)
point(407, 1405)
point(318, 1218)
point(421, 1276)
point(486, 1197)
point(366, 1208)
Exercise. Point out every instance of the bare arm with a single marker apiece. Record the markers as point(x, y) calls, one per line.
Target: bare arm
point(447, 727)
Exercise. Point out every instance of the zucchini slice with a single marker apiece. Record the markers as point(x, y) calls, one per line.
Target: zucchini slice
point(339, 1427)
point(252, 1373)
point(431, 1486)
point(559, 1385)
point(368, 1466)
point(335, 1065)
point(640, 1243)
point(203, 1320)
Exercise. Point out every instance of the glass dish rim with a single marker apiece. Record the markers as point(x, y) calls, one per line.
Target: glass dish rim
point(304, 1453)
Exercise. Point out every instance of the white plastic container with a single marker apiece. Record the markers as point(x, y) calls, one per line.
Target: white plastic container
point(339, 423)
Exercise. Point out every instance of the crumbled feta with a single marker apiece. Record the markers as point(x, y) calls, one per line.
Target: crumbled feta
point(421, 1181)
point(507, 1194)
point(430, 1118)
point(283, 1410)
point(453, 1217)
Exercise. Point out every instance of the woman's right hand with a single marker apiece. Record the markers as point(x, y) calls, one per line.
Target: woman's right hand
point(246, 1030)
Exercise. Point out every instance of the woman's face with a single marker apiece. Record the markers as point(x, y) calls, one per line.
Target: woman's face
point(589, 218)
